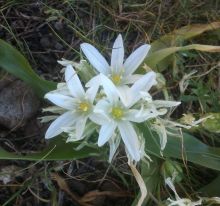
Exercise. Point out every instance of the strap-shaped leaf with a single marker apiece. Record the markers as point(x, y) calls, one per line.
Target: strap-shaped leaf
point(188, 148)
point(157, 57)
point(212, 189)
point(15, 63)
point(58, 149)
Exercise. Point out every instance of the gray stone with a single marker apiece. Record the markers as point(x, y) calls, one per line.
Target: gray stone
point(18, 103)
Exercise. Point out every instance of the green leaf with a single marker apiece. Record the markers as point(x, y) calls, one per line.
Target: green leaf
point(211, 189)
point(188, 148)
point(212, 124)
point(58, 149)
point(188, 98)
point(155, 58)
point(174, 40)
point(15, 63)
point(152, 178)
point(178, 36)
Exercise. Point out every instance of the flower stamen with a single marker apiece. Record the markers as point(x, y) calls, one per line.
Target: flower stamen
point(117, 113)
point(116, 78)
point(84, 106)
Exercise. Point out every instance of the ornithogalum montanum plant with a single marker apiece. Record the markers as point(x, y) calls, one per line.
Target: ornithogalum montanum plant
point(117, 111)
point(115, 101)
point(114, 111)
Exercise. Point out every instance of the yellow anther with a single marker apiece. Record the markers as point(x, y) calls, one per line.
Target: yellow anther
point(84, 106)
point(116, 79)
point(117, 112)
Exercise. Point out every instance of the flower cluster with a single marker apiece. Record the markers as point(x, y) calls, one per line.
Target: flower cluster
point(115, 99)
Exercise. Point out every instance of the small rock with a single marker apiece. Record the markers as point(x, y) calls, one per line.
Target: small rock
point(18, 103)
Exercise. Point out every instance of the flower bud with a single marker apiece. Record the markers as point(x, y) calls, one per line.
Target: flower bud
point(171, 168)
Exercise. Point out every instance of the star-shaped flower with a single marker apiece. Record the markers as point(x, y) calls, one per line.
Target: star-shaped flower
point(119, 71)
point(76, 102)
point(115, 115)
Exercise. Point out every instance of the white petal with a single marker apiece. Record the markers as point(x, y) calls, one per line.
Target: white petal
point(99, 118)
point(54, 109)
point(163, 103)
point(136, 58)
point(169, 182)
point(117, 57)
point(100, 113)
point(80, 127)
point(146, 97)
point(106, 133)
point(64, 120)
point(130, 139)
point(91, 92)
point(96, 80)
point(138, 116)
point(109, 88)
point(95, 58)
point(131, 78)
point(114, 142)
point(62, 89)
point(73, 82)
point(145, 82)
point(47, 118)
point(61, 100)
point(163, 138)
point(125, 95)
point(161, 131)
point(102, 106)
point(65, 62)
point(62, 85)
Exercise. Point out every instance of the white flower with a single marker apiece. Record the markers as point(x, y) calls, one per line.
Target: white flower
point(118, 71)
point(128, 95)
point(77, 104)
point(157, 108)
point(180, 201)
point(115, 115)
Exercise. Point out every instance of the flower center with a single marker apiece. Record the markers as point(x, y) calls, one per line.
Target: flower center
point(84, 106)
point(117, 113)
point(116, 79)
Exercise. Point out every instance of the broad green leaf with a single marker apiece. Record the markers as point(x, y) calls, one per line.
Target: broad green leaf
point(58, 149)
point(15, 63)
point(188, 148)
point(156, 57)
point(211, 189)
